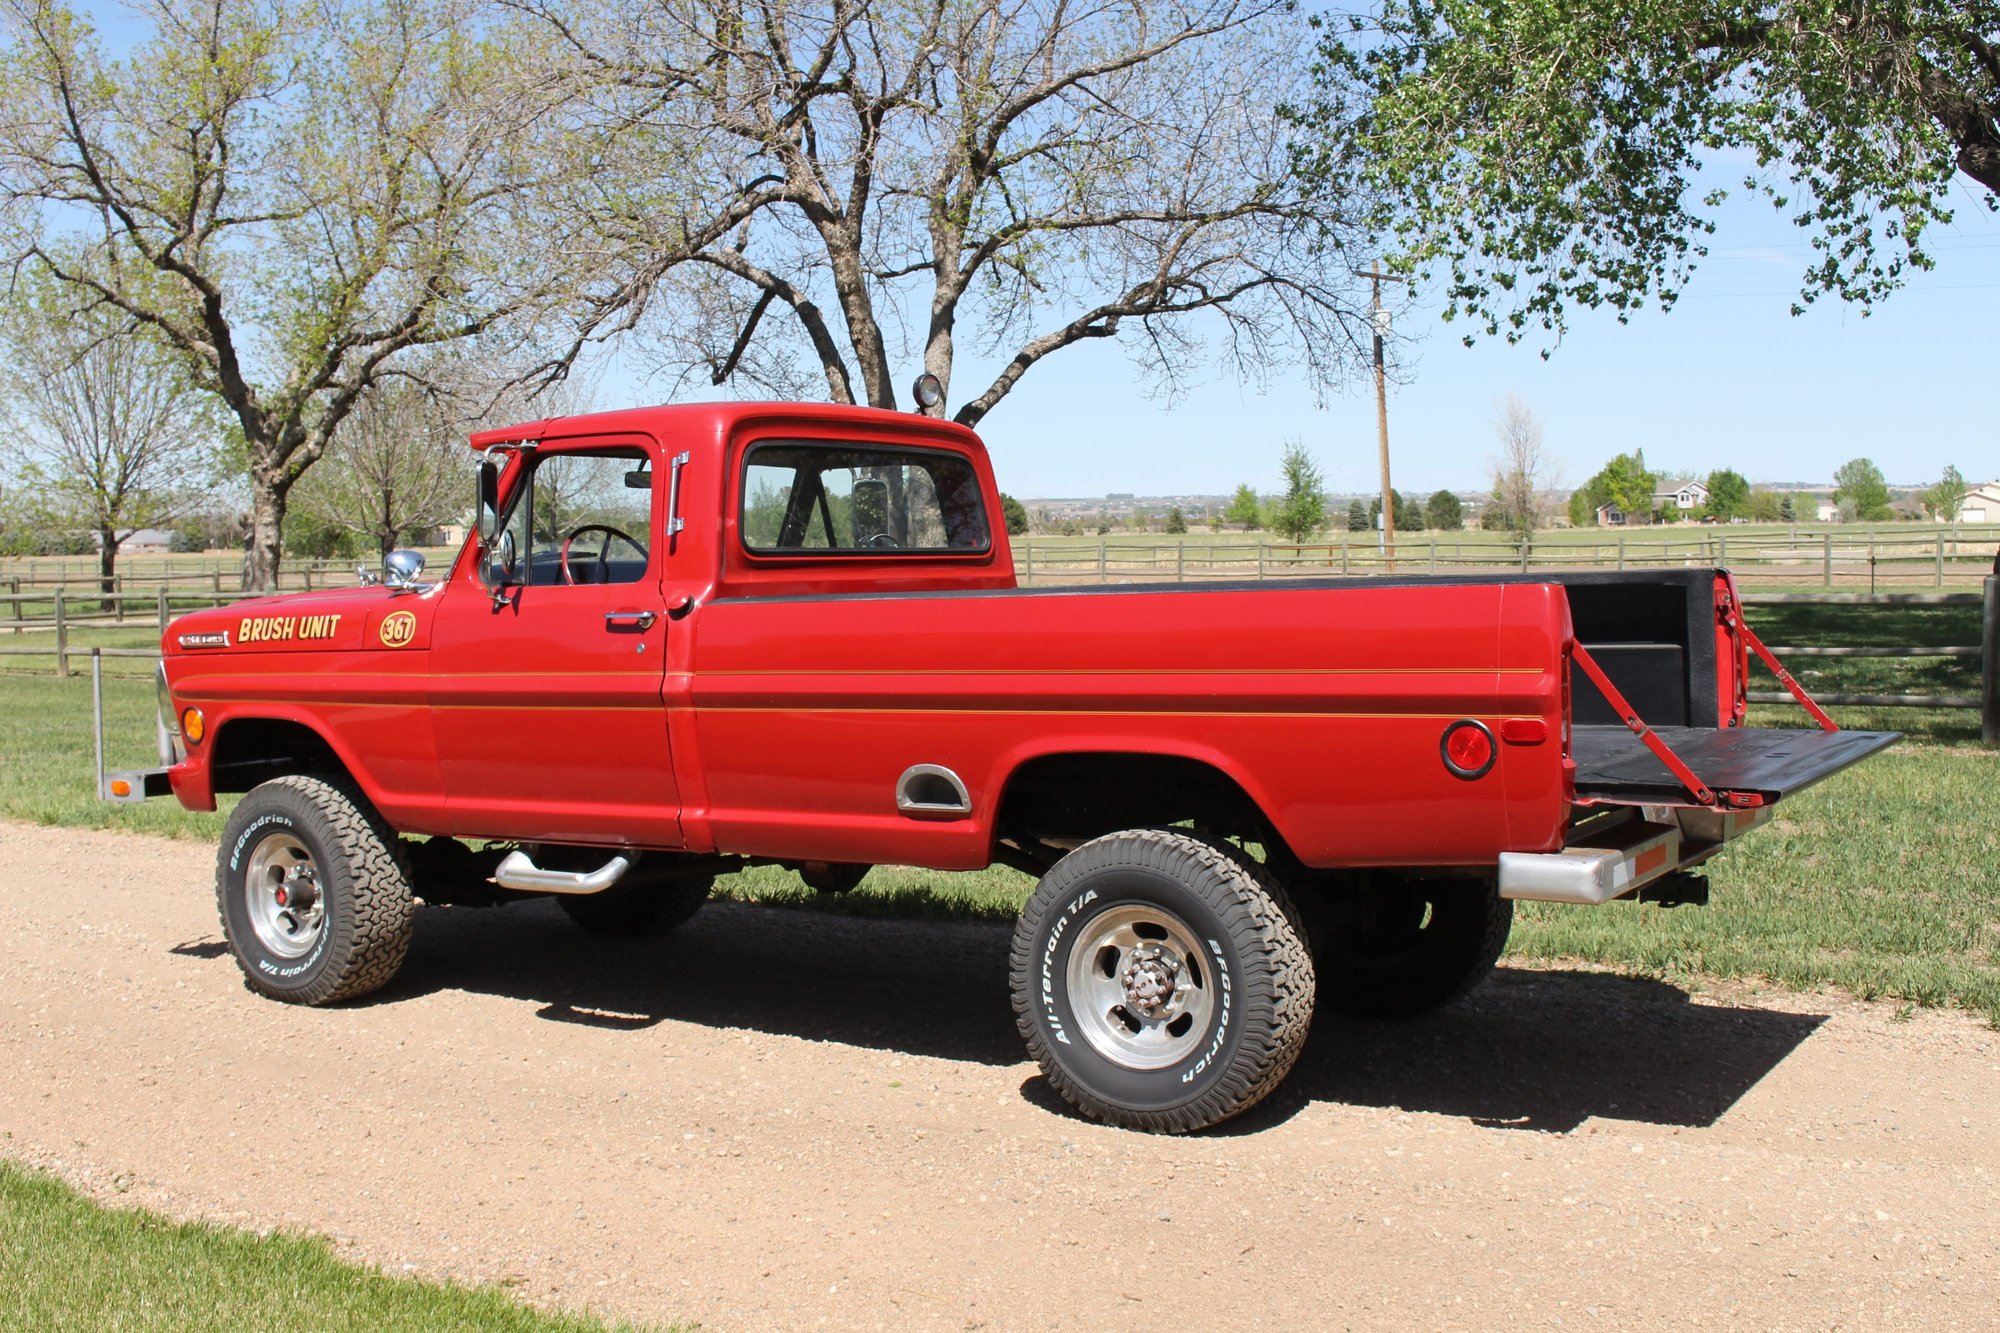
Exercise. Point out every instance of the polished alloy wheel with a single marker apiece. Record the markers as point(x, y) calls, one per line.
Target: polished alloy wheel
point(1141, 989)
point(281, 895)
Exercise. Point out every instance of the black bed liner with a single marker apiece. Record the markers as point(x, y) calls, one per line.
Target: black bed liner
point(1612, 764)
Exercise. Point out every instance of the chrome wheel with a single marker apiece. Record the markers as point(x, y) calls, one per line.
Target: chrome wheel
point(281, 896)
point(1140, 986)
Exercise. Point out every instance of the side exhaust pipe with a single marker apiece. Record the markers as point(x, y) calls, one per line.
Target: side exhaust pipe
point(519, 871)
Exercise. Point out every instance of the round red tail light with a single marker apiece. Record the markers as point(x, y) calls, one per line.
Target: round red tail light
point(1468, 749)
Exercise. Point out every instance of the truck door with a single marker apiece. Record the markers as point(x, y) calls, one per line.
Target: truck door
point(548, 659)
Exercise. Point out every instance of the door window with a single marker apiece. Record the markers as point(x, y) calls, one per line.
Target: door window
point(577, 518)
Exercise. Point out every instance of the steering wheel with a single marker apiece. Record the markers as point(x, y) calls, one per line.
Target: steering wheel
point(611, 534)
point(882, 539)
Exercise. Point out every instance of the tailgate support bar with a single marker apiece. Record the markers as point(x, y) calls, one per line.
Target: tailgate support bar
point(1630, 717)
point(1742, 627)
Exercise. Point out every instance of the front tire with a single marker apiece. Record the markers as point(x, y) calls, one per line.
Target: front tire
point(1161, 981)
point(313, 892)
point(1401, 949)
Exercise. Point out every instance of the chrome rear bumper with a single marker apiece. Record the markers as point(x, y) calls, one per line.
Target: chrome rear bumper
point(1616, 856)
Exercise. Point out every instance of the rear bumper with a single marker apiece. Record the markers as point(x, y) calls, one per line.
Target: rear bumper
point(1616, 855)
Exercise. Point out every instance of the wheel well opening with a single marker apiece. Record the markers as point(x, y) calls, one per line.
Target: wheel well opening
point(1063, 799)
point(251, 750)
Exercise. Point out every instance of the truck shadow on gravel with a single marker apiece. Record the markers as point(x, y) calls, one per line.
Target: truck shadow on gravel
point(1531, 1049)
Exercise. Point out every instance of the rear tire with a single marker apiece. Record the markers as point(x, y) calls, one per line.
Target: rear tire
point(1397, 949)
point(639, 907)
point(1161, 981)
point(313, 892)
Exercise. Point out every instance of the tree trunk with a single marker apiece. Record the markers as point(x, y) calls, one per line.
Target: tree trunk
point(107, 566)
point(267, 536)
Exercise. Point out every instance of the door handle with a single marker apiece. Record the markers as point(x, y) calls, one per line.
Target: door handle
point(629, 620)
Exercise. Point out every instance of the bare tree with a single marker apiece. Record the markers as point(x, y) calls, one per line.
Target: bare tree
point(294, 197)
point(1521, 470)
point(799, 188)
point(108, 433)
point(397, 466)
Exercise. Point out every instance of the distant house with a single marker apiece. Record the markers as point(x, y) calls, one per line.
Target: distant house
point(1981, 504)
point(1610, 516)
point(1828, 512)
point(1684, 497)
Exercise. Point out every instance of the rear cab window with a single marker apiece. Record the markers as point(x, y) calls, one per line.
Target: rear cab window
point(820, 498)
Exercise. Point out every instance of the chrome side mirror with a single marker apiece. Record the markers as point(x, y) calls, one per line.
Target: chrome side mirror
point(400, 570)
point(500, 569)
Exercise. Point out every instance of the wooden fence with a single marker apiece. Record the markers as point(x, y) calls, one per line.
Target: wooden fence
point(1949, 556)
point(1987, 701)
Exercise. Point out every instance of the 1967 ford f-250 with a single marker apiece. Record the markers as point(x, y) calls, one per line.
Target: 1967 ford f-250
point(687, 639)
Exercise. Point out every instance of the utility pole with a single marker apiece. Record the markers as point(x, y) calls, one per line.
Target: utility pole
point(1379, 317)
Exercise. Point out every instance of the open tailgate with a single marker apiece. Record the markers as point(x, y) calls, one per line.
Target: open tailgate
point(1613, 764)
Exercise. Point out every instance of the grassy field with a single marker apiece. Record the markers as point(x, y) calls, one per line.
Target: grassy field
point(146, 1273)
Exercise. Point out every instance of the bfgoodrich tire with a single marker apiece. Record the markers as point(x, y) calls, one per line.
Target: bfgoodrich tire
point(638, 908)
point(1397, 949)
point(313, 893)
point(1161, 981)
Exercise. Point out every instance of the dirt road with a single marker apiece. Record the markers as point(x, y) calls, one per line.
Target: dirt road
point(787, 1120)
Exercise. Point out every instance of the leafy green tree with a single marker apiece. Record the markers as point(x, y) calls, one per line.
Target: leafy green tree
point(1859, 485)
point(1300, 512)
point(1625, 482)
point(1543, 152)
point(1582, 508)
point(1176, 521)
point(1947, 497)
point(1668, 513)
point(295, 199)
point(1765, 505)
point(1243, 509)
point(1444, 512)
point(1357, 516)
point(1014, 513)
point(1409, 514)
point(1728, 495)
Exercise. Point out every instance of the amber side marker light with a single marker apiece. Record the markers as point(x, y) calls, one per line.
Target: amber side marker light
point(193, 725)
point(120, 787)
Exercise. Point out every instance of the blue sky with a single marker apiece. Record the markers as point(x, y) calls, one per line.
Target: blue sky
point(1728, 378)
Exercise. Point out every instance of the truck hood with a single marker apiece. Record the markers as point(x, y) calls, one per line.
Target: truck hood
point(330, 620)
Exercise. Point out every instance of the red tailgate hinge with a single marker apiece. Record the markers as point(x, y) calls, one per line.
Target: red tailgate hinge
point(1647, 736)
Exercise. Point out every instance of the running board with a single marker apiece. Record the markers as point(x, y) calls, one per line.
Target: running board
point(519, 871)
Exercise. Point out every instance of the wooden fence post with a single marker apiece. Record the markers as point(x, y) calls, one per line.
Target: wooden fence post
point(15, 588)
point(1102, 577)
point(215, 581)
point(1180, 562)
point(163, 608)
point(1028, 578)
point(1940, 559)
point(1260, 560)
point(1621, 555)
point(62, 635)
point(1989, 666)
point(1827, 558)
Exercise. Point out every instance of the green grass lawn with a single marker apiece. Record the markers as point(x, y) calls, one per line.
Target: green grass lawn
point(69, 1264)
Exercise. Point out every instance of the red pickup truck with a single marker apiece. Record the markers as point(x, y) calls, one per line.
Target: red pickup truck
point(683, 640)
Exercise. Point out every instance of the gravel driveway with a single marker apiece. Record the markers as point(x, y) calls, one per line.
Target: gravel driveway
point(789, 1120)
